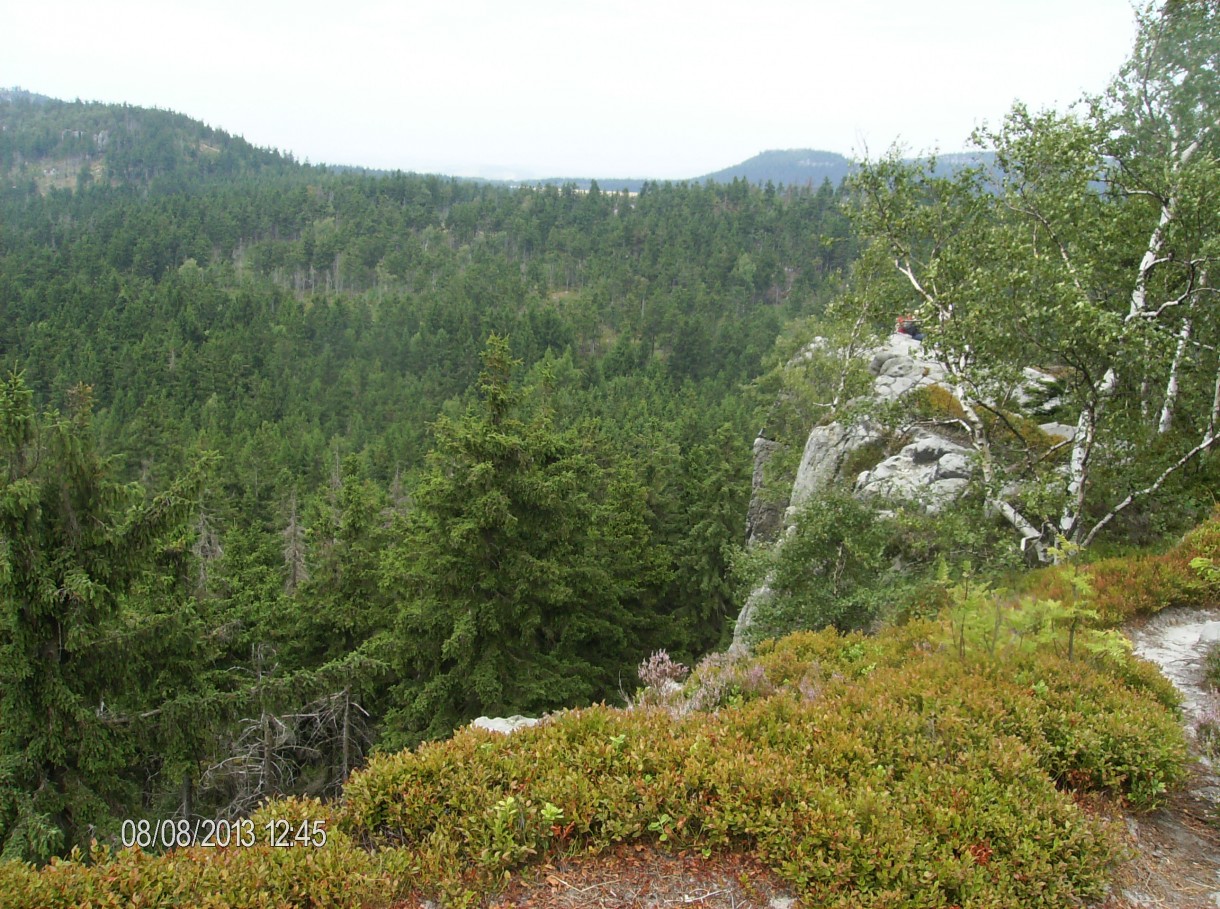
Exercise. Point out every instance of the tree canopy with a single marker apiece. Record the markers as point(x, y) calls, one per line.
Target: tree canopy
point(1086, 251)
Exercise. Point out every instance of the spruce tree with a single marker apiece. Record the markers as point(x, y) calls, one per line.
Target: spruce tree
point(73, 543)
point(516, 569)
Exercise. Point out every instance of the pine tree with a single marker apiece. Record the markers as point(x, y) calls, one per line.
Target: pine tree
point(73, 543)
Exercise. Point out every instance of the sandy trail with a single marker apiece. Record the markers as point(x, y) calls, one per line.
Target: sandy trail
point(1178, 848)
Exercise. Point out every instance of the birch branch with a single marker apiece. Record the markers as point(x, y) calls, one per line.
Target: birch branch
point(1208, 441)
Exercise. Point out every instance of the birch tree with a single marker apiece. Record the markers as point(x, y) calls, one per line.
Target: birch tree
point(1085, 250)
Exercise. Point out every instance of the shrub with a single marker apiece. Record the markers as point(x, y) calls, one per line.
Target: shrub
point(659, 670)
point(906, 767)
point(337, 875)
point(1207, 734)
point(1211, 666)
point(935, 402)
point(884, 770)
point(829, 571)
point(1140, 584)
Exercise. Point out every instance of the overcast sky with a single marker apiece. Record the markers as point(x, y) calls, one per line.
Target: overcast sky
point(537, 88)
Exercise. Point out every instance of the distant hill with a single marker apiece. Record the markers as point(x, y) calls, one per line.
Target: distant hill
point(19, 94)
point(58, 144)
point(791, 167)
point(787, 167)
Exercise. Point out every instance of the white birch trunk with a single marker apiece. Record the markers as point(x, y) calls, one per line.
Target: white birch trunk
point(1172, 383)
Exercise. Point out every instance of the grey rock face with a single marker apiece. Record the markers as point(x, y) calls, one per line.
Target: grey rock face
point(1036, 393)
point(1058, 430)
point(930, 469)
point(745, 618)
point(899, 367)
point(953, 466)
point(825, 451)
point(763, 519)
point(916, 472)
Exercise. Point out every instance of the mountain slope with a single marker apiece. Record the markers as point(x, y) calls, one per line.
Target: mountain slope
point(63, 144)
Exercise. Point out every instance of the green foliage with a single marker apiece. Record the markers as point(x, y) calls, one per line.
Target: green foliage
point(1137, 584)
point(309, 325)
point(845, 565)
point(827, 570)
point(880, 780)
point(981, 620)
point(1086, 234)
point(76, 544)
point(338, 876)
point(856, 767)
point(520, 568)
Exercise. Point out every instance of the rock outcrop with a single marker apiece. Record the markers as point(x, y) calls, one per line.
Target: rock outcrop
point(931, 468)
point(764, 518)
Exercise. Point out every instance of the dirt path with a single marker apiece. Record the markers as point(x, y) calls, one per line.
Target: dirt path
point(1177, 862)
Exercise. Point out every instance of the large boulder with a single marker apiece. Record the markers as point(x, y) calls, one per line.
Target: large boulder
point(932, 470)
point(826, 450)
point(916, 472)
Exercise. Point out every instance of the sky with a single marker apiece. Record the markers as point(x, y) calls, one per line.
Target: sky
point(668, 89)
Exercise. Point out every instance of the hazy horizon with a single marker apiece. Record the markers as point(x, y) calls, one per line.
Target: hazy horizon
point(556, 89)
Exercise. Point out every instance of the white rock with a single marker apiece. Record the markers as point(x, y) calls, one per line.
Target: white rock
point(1058, 430)
point(901, 367)
point(505, 724)
point(953, 466)
point(825, 450)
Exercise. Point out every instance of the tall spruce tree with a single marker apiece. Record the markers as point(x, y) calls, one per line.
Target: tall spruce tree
point(517, 569)
point(73, 543)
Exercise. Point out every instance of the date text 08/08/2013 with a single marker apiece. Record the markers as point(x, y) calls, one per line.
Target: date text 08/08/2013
point(242, 833)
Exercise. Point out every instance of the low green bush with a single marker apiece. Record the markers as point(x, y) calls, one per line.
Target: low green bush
point(882, 772)
point(337, 876)
point(1140, 584)
point(885, 770)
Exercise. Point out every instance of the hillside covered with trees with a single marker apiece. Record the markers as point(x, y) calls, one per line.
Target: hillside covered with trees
point(303, 470)
point(410, 450)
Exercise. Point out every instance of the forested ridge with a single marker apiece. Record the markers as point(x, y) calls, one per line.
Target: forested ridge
point(417, 449)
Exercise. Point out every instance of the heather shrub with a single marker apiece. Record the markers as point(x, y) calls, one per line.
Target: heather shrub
point(1211, 666)
point(726, 679)
point(659, 670)
point(661, 677)
point(911, 772)
point(1207, 734)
